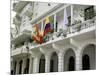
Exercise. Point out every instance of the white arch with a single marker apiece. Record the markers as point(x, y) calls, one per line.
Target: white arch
point(92, 58)
point(70, 47)
point(66, 60)
point(85, 45)
point(56, 63)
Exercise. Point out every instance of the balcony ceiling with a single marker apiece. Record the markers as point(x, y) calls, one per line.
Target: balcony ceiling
point(17, 55)
point(21, 38)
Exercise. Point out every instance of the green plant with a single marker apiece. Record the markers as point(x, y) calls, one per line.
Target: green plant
point(79, 27)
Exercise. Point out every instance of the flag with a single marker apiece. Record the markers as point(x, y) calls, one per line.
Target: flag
point(47, 26)
point(36, 35)
point(65, 20)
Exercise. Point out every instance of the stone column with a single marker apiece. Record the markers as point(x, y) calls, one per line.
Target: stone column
point(30, 66)
point(47, 63)
point(12, 65)
point(36, 65)
point(78, 60)
point(23, 65)
point(60, 61)
point(17, 67)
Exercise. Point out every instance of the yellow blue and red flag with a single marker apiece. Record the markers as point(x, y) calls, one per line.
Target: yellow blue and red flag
point(47, 26)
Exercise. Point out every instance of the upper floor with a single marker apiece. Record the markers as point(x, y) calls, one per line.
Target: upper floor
point(80, 19)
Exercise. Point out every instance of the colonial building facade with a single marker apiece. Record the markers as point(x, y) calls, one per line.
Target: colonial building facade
point(70, 47)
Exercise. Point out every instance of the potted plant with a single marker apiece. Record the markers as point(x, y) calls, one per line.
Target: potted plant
point(79, 25)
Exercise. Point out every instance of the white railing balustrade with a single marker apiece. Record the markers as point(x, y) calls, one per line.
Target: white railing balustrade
point(81, 26)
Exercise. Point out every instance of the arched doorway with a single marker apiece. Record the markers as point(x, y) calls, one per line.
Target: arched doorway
point(42, 64)
point(12, 72)
point(71, 64)
point(20, 67)
point(89, 57)
point(86, 62)
point(26, 70)
point(69, 60)
point(12, 68)
point(15, 63)
point(54, 62)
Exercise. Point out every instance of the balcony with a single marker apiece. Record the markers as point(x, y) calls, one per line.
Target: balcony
point(17, 20)
point(21, 51)
point(85, 30)
point(23, 35)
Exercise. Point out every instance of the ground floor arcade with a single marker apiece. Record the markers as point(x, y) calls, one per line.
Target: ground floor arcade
point(69, 59)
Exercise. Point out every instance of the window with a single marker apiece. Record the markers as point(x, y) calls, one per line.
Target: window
point(49, 4)
point(89, 13)
point(56, 26)
point(69, 20)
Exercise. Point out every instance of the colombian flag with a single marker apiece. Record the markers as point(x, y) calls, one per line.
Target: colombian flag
point(47, 26)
